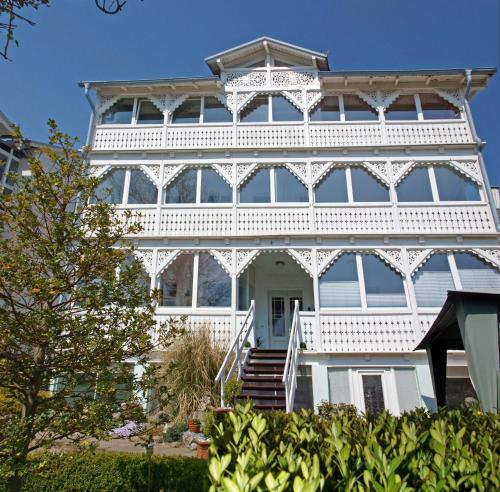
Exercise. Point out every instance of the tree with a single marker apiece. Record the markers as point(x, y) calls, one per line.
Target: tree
point(68, 319)
point(12, 12)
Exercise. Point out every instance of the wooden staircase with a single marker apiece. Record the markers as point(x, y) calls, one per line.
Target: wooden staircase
point(263, 379)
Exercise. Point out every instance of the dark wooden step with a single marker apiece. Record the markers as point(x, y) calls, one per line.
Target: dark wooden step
point(268, 351)
point(264, 386)
point(268, 378)
point(259, 396)
point(269, 355)
point(265, 364)
point(263, 370)
point(270, 406)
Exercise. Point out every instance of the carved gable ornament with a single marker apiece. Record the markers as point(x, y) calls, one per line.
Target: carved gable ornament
point(269, 79)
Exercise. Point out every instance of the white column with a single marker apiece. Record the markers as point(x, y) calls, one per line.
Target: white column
point(320, 384)
point(234, 290)
point(318, 341)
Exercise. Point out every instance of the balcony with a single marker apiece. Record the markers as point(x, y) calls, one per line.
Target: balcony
point(306, 220)
point(284, 135)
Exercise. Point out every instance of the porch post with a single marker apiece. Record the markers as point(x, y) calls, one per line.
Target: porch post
point(234, 290)
point(318, 341)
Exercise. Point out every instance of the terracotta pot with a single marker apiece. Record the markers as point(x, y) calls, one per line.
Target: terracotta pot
point(221, 409)
point(202, 446)
point(194, 426)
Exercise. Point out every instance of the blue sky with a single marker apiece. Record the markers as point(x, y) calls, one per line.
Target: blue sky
point(73, 41)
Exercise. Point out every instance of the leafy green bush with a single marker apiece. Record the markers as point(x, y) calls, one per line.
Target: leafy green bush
point(328, 410)
point(446, 451)
point(113, 472)
point(174, 433)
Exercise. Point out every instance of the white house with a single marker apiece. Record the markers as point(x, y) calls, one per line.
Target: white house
point(361, 195)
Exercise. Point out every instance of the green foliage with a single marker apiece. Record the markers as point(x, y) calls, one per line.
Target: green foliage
point(341, 450)
point(328, 410)
point(113, 472)
point(174, 433)
point(232, 390)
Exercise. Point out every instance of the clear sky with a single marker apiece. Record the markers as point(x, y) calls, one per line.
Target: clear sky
point(73, 41)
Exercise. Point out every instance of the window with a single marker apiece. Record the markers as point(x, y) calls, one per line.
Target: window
point(213, 282)
point(454, 187)
point(202, 109)
point(373, 393)
point(257, 110)
point(416, 187)
point(339, 285)
point(215, 112)
point(176, 283)
point(287, 188)
point(112, 188)
point(403, 108)
point(204, 183)
point(148, 113)
point(384, 287)
point(475, 273)
point(432, 281)
point(120, 113)
point(332, 188)
point(327, 110)
point(434, 107)
point(366, 188)
point(188, 112)
point(355, 109)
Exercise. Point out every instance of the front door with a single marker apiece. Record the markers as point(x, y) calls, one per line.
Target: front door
point(281, 307)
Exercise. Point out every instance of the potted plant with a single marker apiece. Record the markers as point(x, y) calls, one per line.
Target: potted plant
point(202, 446)
point(303, 346)
point(194, 425)
point(248, 345)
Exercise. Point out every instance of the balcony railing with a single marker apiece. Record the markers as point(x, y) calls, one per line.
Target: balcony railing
point(285, 135)
point(297, 220)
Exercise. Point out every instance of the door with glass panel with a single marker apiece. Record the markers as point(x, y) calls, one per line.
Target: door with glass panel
point(281, 307)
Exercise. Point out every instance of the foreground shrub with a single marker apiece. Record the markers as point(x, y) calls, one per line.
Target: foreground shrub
point(449, 450)
point(174, 433)
point(113, 472)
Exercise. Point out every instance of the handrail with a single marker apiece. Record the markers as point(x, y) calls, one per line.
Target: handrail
point(292, 357)
point(236, 348)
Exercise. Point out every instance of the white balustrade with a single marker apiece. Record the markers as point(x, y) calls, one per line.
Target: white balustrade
point(199, 221)
point(146, 218)
point(128, 137)
point(200, 136)
point(428, 133)
point(345, 134)
point(273, 220)
point(358, 219)
point(308, 333)
point(266, 135)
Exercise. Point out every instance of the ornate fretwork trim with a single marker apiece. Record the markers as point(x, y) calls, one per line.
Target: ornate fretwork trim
point(164, 258)
point(377, 169)
point(223, 97)
point(295, 97)
point(244, 171)
point(304, 258)
point(325, 257)
point(152, 171)
point(225, 171)
point(318, 169)
point(313, 98)
point(378, 99)
point(453, 96)
point(400, 170)
point(225, 258)
point(170, 171)
point(145, 256)
point(416, 258)
point(299, 170)
point(105, 102)
point(469, 169)
point(492, 256)
point(98, 171)
point(243, 259)
point(242, 99)
point(394, 257)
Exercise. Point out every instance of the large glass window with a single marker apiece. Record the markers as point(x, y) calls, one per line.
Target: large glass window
point(454, 187)
point(433, 281)
point(214, 283)
point(148, 113)
point(332, 188)
point(110, 189)
point(384, 287)
point(403, 108)
point(365, 188)
point(257, 189)
point(288, 187)
point(355, 109)
point(475, 273)
point(256, 111)
point(284, 110)
point(188, 111)
point(176, 282)
point(339, 285)
point(183, 188)
point(328, 109)
point(120, 113)
point(141, 189)
point(434, 107)
point(215, 112)
point(213, 188)
point(416, 187)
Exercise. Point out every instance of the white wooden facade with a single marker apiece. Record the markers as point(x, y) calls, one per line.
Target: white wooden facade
point(289, 246)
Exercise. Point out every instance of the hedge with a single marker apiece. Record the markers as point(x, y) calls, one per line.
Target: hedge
point(340, 450)
point(114, 472)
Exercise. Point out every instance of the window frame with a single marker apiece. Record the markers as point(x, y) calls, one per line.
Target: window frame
point(135, 114)
point(202, 112)
point(194, 292)
point(389, 387)
point(270, 112)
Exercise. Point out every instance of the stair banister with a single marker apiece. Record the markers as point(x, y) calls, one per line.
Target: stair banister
point(292, 357)
point(236, 348)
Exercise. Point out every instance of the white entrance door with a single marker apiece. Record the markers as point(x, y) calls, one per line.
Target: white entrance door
point(281, 306)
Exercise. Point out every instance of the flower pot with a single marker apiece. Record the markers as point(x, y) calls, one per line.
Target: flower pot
point(202, 446)
point(194, 426)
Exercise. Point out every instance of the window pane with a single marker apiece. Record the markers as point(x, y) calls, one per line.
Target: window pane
point(141, 189)
point(177, 282)
point(355, 109)
point(148, 113)
point(475, 273)
point(284, 110)
point(339, 286)
point(365, 188)
point(256, 110)
point(415, 187)
point(214, 283)
point(333, 188)
point(327, 110)
point(403, 108)
point(215, 112)
point(188, 111)
point(183, 188)
point(384, 287)
point(373, 393)
point(119, 113)
point(453, 187)
point(257, 188)
point(213, 188)
point(288, 187)
point(110, 189)
point(435, 107)
point(433, 281)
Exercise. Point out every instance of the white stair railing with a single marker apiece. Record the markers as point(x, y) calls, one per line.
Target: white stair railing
point(236, 355)
point(292, 358)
